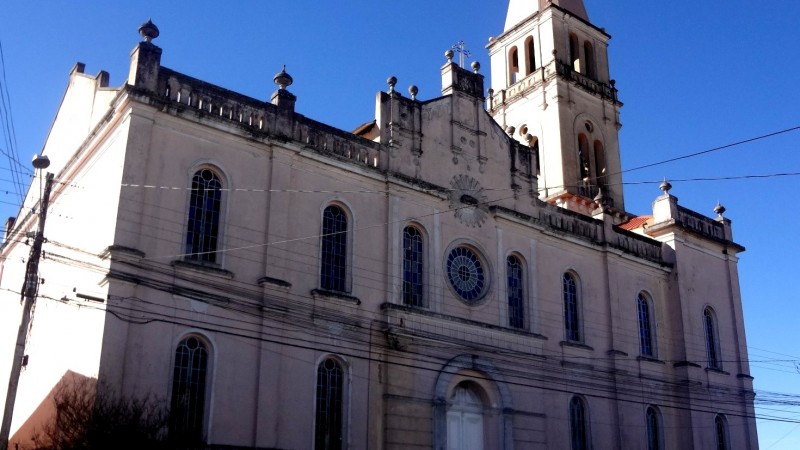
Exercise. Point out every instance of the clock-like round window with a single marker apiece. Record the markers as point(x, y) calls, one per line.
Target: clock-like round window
point(467, 274)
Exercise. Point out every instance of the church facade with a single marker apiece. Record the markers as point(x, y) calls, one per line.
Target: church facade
point(458, 273)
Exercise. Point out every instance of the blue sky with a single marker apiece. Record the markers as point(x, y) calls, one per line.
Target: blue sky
point(693, 76)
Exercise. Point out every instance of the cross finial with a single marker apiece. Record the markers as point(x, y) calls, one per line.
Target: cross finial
point(460, 47)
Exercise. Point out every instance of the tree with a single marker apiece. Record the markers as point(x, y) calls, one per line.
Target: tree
point(92, 416)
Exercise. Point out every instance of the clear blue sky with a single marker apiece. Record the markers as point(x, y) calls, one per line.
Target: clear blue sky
point(693, 76)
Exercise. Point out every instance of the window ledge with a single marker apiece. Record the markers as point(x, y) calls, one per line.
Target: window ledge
point(745, 376)
point(650, 359)
point(111, 250)
point(203, 267)
point(322, 293)
point(574, 344)
point(616, 353)
point(686, 364)
point(715, 370)
point(274, 282)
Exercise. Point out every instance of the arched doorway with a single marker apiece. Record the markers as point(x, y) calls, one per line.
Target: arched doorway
point(465, 418)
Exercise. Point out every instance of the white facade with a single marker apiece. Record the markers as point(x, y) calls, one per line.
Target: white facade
point(416, 273)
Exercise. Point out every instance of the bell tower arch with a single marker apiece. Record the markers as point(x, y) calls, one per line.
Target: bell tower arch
point(550, 73)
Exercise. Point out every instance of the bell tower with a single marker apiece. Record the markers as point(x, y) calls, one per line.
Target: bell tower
point(550, 82)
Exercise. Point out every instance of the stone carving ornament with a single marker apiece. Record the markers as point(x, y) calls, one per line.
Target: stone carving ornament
point(468, 200)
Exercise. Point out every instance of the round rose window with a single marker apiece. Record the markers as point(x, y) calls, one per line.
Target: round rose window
point(466, 274)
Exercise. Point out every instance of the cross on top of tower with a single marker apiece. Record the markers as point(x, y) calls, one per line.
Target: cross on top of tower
point(461, 48)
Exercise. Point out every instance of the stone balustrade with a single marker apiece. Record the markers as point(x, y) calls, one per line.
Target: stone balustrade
point(262, 117)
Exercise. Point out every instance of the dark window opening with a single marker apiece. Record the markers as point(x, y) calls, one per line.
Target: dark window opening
point(334, 250)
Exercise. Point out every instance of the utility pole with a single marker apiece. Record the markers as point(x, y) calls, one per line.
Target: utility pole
point(29, 290)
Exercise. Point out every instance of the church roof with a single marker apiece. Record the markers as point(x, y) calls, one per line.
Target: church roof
point(636, 222)
point(519, 10)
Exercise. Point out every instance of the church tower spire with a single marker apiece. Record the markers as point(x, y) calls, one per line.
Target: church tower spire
point(550, 81)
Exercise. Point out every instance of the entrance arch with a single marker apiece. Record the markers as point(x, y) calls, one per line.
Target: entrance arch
point(471, 404)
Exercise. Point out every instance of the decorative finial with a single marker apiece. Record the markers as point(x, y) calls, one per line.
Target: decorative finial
point(510, 130)
point(529, 139)
point(413, 90)
point(599, 199)
point(391, 81)
point(449, 55)
point(476, 66)
point(148, 31)
point(665, 186)
point(283, 79)
point(719, 209)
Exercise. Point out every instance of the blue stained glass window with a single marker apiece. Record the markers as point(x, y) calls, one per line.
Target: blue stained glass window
point(333, 272)
point(466, 274)
point(579, 432)
point(645, 326)
point(205, 202)
point(329, 406)
point(516, 299)
point(571, 307)
point(412, 267)
point(187, 407)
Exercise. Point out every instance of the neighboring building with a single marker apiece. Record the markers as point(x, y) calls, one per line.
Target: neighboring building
point(459, 273)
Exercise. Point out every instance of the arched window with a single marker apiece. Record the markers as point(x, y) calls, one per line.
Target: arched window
point(333, 274)
point(653, 427)
point(574, 53)
point(465, 418)
point(513, 65)
point(329, 415)
point(646, 329)
point(571, 309)
point(583, 157)
point(530, 56)
point(588, 52)
point(205, 203)
point(578, 425)
point(712, 340)
point(721, 432)
point(535, 149)
point(515, 291)
point(599, 163)
point(187, 407)
point(413, 268)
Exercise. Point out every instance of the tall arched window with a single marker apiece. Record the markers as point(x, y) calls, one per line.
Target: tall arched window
point(515, 291)
point(583, 157)
point(574, 53)
point(329, 416)
point(535, 149)
point(578, 425)
point(205, 203)
point(465, 418)
point(572, 326)
point(187, 407)
point(588, 52)
point(333, 274)
point(712, 340)
point(413, 268)
point(646, 329)
point(653, 427)
point(599, 163)
point(721, 432)
point(530, 56)
point(513, 65)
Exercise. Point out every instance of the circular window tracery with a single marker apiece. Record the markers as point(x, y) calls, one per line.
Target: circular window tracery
point(466, 273)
